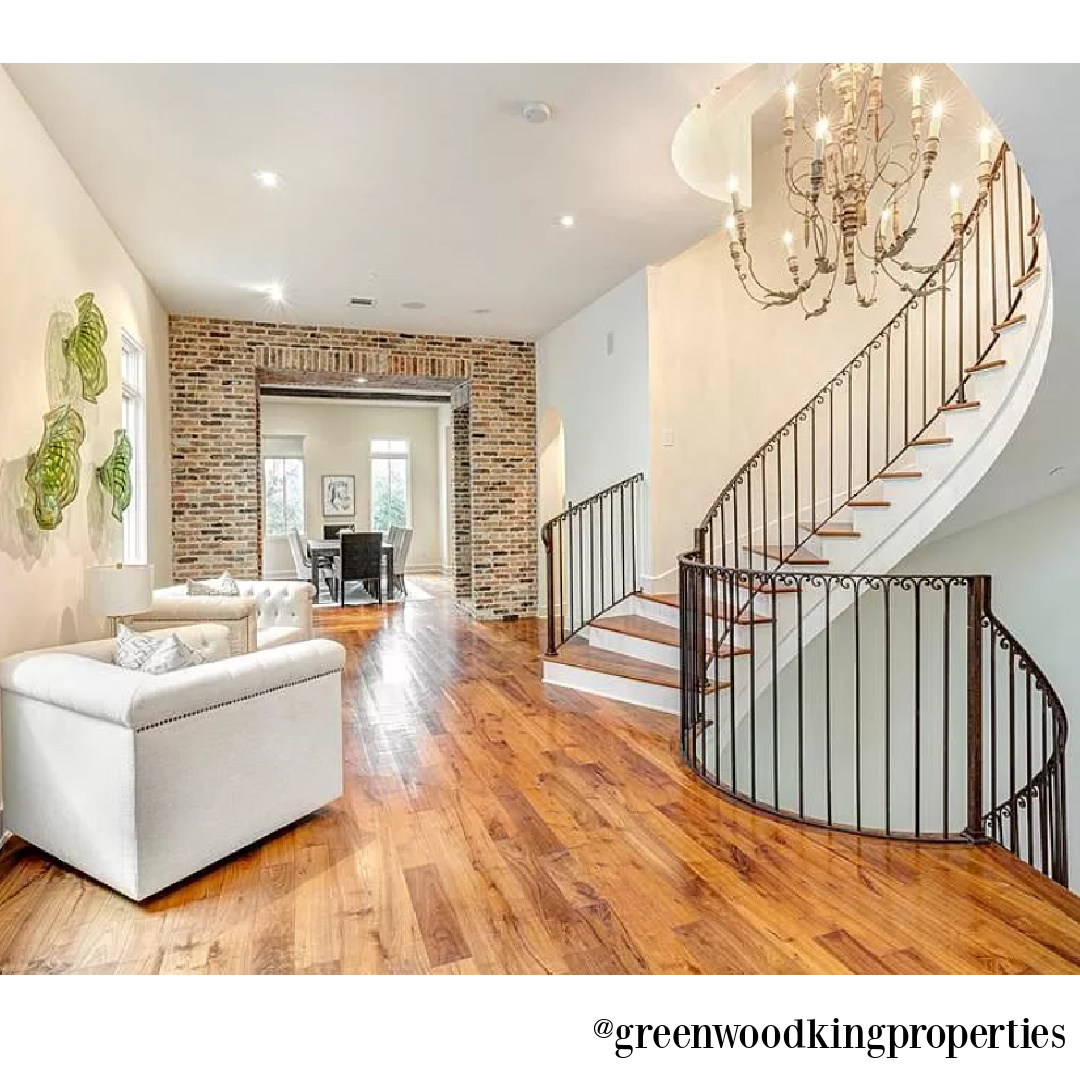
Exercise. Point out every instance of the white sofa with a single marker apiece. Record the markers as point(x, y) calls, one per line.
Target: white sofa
point(142, 780)
point(265, 614)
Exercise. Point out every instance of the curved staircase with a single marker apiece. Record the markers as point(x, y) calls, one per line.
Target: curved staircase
point(810, 682)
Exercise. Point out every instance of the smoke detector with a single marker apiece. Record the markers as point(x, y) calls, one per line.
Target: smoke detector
point(536, 112)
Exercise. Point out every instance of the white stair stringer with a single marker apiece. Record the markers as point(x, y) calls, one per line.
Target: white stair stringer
point(888, 534)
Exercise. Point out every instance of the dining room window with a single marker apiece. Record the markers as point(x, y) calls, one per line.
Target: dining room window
point(389, 483)
point(283, 484)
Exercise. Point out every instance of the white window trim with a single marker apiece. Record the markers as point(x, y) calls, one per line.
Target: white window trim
point(285, 455)
point(133, 390)
point(382, 455)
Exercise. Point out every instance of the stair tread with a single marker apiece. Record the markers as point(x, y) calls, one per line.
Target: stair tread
point(869, 502)
point(956, 406)
point(1023, 279)
point(1016, 320)
point(649, 630)
point(672, 600)
point(579, 655)
point(829, 530)
point(933, 440)
point(986, 365)
point(900, 474)
point(789, 555)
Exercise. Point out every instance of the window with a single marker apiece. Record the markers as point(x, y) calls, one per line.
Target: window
point(133, 420)
point(389, 483)
point(283, 484)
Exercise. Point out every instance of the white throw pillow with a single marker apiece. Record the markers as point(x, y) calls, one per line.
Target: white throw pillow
point(223, 586)
point(153, 653)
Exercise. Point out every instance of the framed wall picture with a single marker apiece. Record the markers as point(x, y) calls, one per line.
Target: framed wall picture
point(338, 496)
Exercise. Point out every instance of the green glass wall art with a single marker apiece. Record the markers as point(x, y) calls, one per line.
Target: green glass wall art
point(52, 471)
point(84, 347)
point(114, 474)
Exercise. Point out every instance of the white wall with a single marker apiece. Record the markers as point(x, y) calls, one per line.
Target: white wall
point(55, 246)
point(445, 422)
point(337, 439)
point(1031, 557)
point(601, 394)
point(725, 374)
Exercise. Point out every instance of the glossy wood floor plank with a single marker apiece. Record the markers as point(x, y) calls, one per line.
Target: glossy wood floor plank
point(491, 824)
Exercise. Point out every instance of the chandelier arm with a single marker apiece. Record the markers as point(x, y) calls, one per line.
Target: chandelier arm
point(775, 296)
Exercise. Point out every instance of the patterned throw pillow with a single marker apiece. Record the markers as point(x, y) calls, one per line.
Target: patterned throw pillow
point(154, 654)
point(223, 586)
point(172, 655)
point(133, 649)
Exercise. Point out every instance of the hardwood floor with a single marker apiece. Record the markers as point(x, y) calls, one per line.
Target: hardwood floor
point(492, 824)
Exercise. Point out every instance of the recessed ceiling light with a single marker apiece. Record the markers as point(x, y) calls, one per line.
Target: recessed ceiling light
point(536, 112)
point(363, 301)
point(566, 221)
point(414, 305)
point(274, 292)
point(268, 179)
point(481, 311)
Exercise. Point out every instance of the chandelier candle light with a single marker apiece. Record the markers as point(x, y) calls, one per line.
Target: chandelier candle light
point(861, 156)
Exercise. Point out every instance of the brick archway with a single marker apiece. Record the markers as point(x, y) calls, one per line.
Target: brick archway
point(217, 367)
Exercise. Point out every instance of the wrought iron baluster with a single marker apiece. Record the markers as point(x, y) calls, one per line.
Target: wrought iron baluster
point(799, 647)
point(1013, 831)
point(887, 605)
point(917, 601)
point(858, 714)
point(1029, 767)
point(1044, 816)
point(775, 707)
point(946, 702)
point(828, 703)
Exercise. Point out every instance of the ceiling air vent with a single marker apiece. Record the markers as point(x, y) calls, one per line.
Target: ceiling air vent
point(363, 301)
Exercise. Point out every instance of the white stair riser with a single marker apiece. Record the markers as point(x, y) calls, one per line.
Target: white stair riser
point(615, 687)
point(654, 652)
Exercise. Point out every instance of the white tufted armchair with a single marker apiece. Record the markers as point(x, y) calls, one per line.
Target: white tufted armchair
point(265, 614)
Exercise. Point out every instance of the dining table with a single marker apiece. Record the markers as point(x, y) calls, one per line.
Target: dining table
point(324, 551)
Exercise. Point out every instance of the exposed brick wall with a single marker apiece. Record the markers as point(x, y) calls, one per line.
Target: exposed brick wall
point(502, 437)
point(216, 512)
point(217, 366)
point(462, 505)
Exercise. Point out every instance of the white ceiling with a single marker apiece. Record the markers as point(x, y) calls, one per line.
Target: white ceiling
point(402, 182)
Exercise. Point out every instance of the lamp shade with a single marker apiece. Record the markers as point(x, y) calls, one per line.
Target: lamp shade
point(119, 589)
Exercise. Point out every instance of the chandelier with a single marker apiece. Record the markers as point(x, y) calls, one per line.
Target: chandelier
point(861, 152)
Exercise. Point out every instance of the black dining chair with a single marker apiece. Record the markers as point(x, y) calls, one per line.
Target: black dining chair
point(360, 560)
point(332, 532)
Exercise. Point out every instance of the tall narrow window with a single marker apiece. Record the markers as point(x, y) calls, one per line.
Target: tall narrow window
point(283, 484)
point(133, 420)
point(389, 484)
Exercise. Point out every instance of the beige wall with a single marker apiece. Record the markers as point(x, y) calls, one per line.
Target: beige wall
point(337, 439)
point(725, 374)
point(55, 246)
